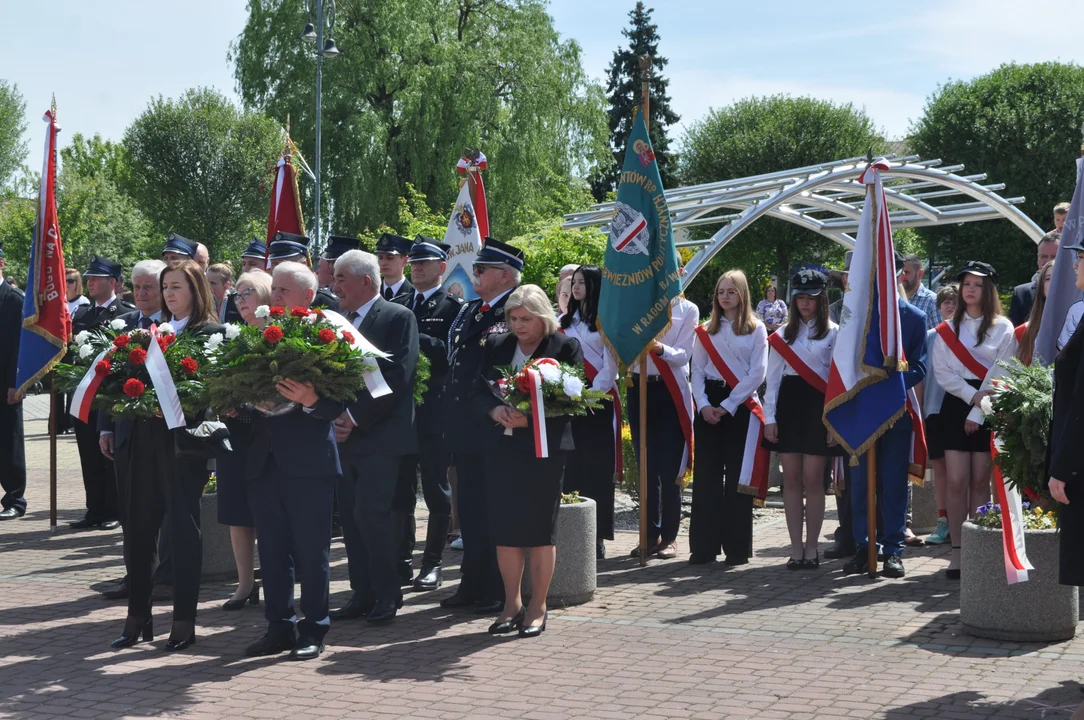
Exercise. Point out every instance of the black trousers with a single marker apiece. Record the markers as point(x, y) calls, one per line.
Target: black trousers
point(722, 517)
point(163, 485)
point(665, 445)
point(432, 462)
point(163, 560)
point(590, 467)
point(293, 527)
point(12, 456)
point(366, 492)
point(481, 577)
point(99, 478)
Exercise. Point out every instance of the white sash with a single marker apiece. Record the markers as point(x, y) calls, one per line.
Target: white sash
point(374, 380)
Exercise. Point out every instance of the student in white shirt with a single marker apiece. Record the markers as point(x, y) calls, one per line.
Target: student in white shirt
point(722, 512)
point(982, 332)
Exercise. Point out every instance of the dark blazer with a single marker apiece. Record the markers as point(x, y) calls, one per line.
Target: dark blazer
point(499, 351)
point(1066, 451)
point(435, 317)
point(405, 296)
point(1023, 297)
point(89, 317)
point(385, 425)
point(11, 324)
point(233, 315)
point(325, 299)
point(466, 343)
point(913, 336)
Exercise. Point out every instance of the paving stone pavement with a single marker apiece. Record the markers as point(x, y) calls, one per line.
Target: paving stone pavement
point(665, 641)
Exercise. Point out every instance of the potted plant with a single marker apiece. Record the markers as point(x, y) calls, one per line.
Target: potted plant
point(217, 550)
point(574, 578)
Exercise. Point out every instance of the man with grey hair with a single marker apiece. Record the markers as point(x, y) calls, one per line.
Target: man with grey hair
point(374, 435)
point(496, 274)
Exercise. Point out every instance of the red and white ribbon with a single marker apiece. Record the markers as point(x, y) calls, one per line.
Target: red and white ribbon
point(538, 414)
point(164, 387)
point(83, 397)
point(1012, 522)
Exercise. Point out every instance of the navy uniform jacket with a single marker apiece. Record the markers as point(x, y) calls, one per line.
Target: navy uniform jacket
point(1023, 297)
point(405, 296)
point(435, 317)
point(913, 338)
point(463, 432)
point(301, 443)
point(325, 299)
point(385, 425)
point(11, 324)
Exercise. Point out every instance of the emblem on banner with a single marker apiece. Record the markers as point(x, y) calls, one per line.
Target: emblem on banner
point(464, 218)
point(628, 231)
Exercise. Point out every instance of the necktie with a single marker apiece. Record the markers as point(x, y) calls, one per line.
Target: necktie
point(145, 322)
point(352, 316)
point(387, 293)
point(418, 300)
point(484, 308)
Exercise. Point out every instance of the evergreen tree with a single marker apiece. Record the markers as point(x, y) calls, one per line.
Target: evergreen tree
point(623, 91)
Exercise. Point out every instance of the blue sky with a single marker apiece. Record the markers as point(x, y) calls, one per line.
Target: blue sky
point(105, 60)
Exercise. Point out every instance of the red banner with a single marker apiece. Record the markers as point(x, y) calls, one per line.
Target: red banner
point(285, 213)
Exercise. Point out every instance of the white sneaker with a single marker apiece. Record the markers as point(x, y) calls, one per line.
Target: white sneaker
point(940, 535)
point(457, 544)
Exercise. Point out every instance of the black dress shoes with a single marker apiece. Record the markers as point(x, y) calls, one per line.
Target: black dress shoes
point(306, 648)
point(120, 592)
point(278, 639)
point(253, 598)
point(406, 575)
point(428, 579)
point(893, 567)
point(85, 524)
point(488, 607)
point(839, 550)
point(383, 612)
point(503, 627)
point(11, 513)
point(133, 628)
point(528, 631)
point(858, 564)
point(181, 636)
point(701, 559)
point(354, 608)
point(459, 600)
point(109, 524)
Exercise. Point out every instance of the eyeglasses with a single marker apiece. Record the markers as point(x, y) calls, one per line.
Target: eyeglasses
point(246, 294)
point(726, 293)
point(480, 269)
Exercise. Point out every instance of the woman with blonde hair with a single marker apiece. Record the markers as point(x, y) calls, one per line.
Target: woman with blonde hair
point(730, 359)
point(1025, 334)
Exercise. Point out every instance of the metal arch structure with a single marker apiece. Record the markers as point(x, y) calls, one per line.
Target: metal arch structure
point(828, 199)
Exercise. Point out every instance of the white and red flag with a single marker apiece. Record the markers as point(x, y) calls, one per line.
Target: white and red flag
point(285, 213)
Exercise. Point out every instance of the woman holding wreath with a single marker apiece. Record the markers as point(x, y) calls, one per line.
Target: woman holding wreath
point(172, 484)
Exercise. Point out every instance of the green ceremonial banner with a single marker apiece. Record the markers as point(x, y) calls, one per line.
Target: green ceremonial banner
point(640, 275)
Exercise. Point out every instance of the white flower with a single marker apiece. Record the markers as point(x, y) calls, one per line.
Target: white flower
point(82, 337)
point(232, 331)
point(311, 319)
point(85, 351)
point(986, 405)
point(117, 324)
point(573, 386)
point(263, 311)
point(214, 341)
point(165, 329)
point(549, 373)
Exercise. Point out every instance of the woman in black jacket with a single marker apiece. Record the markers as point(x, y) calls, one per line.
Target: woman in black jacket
point(164, 483)
point(523, 491)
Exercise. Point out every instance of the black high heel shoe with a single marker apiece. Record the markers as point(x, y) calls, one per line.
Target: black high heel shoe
point(502, 627)
point(133, 627)
point(536, 630)
point(253, 598)
point(178, 639)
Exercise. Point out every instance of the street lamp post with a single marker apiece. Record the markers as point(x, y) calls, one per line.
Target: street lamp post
point(324, 11)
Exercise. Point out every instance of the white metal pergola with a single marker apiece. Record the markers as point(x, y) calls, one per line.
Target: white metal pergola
point(828, 199)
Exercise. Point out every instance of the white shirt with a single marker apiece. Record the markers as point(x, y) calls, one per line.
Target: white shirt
point(396, 286)
point(74, 305)
point(426, 294)
point(519, 358)
point(952, 376)
point(1072, 319)
point(820, 350)
point(179, 324)
point(750, 350)
point(364, 310)
point(495, 300)
point(677, 342)
point(106, 303)
point(593, 348)
point(932, 392)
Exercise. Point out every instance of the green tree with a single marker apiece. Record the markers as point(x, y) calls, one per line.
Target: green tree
point(415, 85)
point(761, 135)
point(94, 157)
point(199, 166)
point(12, 127)
point(1021, 125)
point(624, 92)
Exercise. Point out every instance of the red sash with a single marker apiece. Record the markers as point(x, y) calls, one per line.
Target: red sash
point(591, 372)
point(804, 371)
point(684, 408)
point(962, 353)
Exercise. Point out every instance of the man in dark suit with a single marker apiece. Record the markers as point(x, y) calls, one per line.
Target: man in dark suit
point(293, 464)
point(392, 252)
point(496, 274)
point(114, 435)
point(288, 247)
point(1023, 296)
point(12, 452)
point(376, 433)
point(435, 310)
point(103, 278)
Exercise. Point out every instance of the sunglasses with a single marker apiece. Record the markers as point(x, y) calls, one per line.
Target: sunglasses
point(71, 281)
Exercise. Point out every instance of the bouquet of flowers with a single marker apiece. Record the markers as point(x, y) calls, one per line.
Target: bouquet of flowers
point(1035, 517)
point(121, 384)
point(302, 344)
point(562, 389)
point(1019, 414)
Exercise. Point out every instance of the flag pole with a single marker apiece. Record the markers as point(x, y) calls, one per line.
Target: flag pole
point(52, 451)
point(871, 456)
point(645, 91)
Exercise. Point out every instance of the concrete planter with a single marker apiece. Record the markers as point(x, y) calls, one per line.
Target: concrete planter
point(217, 551)
point(1039, 610)
point(924, 506)
point(574, 576)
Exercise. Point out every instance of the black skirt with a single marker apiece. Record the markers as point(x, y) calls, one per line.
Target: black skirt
point(230, 471)
point(954, 412)
point(799, 413)
point(935, 436)
point(523, 493)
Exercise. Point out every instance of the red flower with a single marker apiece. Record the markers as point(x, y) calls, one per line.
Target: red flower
point(320, 313)
point(120, 341)
point(189, 366)
point(326, 335)
point(163, 342)
point(103, 367)
point(133, 388)
point(348, 337)
point(273, 333)
point(277, 311)
point(137, 356)
point(300, 312)
point(523, 382)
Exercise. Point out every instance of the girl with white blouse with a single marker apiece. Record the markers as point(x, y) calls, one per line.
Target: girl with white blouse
point(980, 336)
point(722, 515)
point(794, 408)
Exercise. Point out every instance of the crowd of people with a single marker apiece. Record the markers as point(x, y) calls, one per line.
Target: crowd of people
point(747, 379)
